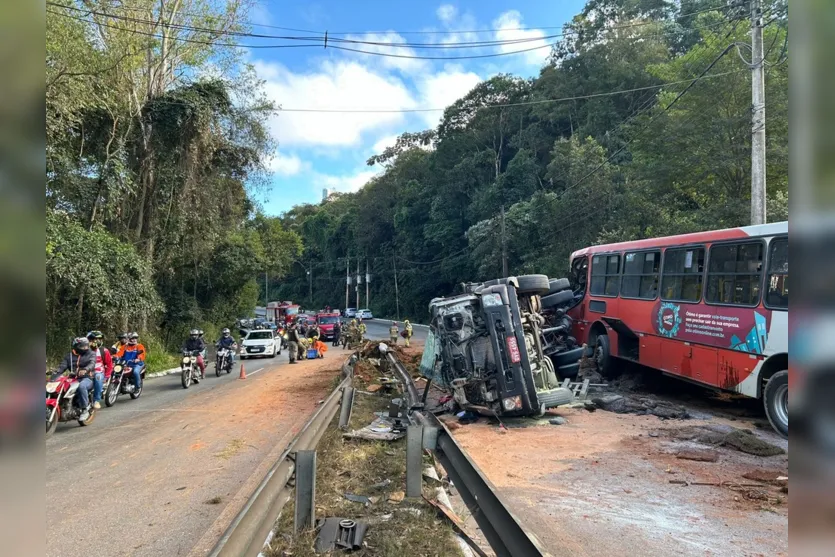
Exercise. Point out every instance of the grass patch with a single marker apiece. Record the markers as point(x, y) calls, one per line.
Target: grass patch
point(411, 527)
point(157, 357)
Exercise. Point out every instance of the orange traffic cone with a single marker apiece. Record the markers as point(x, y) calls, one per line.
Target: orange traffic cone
point(243, 373)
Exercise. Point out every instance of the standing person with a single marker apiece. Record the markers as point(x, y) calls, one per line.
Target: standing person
point(194, 343)
point(362, 330)
point(337, 330)
point(103, 367)
point(292, 342)
point(394, 332)
point(408, 332)
point(134, 355)
point(80, 362)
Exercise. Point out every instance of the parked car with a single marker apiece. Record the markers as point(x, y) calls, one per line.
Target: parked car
point(260, 342)
point(350, 312)
point(365, 314)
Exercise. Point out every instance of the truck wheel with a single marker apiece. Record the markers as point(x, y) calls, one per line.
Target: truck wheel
point(558, 285)
point(532, 285)
point(602, 356)
point(557, 299)
point(555, 397)
point(568, 357)
point(776, 402)
point(568, 371)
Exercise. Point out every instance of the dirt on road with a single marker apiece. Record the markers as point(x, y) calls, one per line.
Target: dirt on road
point(169, 480)
point(619, 484)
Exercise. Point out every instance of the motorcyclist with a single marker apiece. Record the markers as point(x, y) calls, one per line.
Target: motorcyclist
point(103, 367)
point(134, 355)
point(194, 343)
point(227, 341)
point(80, 362)
point(206, 348)
point(121, 340)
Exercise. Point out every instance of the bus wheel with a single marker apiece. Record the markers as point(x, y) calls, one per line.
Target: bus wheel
point(602, 357)
point(776, 401)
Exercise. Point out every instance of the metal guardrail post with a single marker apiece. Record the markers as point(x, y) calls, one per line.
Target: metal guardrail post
point(414, 449)
point(305, 516)
point(345, 407)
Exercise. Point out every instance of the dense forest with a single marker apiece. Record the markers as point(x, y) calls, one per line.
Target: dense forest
point(639, 126)
point(157, 138)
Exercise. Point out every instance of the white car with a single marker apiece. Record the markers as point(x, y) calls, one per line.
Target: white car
point(350, 312)
point(260, 342)
point(364, 314)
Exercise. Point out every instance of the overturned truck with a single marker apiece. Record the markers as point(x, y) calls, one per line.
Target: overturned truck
point(504, 346)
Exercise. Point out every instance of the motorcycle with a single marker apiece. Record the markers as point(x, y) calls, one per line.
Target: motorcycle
point(190, 373)
point(60, 406)
point(121, 382)
point(224, 360)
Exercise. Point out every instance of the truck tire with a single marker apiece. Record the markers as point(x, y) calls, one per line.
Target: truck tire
point(558, 285)
point(568, 371)
point(567, 357)
point(775, 400)
point(557, 299)
point(532, 285)
point(555, 397)
point(602, 356)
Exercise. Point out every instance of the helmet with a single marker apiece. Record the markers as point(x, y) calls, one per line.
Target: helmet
point(133, 338)
point(194, 333)
point(226, 332)
point(95, 336)
point(123, 336)
point(80, 344)
point(405, 321)
point(394, 322)
point(200, 332)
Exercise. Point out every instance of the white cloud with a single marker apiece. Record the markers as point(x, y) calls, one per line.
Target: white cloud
point(444, 88)
point(446, 13)
point(345, 183)
point(333, 85)
point(285, 165)
point(406, 65)
point(383, 143)
point(507, 29)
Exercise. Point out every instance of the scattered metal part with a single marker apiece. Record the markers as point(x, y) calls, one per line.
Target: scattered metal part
point(339, 533)
point(357, 498)
point(381, 485)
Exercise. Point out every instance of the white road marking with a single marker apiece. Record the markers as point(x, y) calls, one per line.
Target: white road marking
point(254, 372)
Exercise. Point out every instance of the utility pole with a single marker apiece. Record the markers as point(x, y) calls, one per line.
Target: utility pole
point(758, 214)
point(396, 291)
point(347, 279)
point(266, 288)
point(358, 283)
point(310, 285)
point(367, 285)
point(504, 248)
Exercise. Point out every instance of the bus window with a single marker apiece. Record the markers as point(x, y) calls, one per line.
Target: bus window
point(734, 274)
point(681, 280)
point(605, 275)
point(778, 274)
point(640, 275)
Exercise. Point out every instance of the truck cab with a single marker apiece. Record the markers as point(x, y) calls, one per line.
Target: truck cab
point(326, 322)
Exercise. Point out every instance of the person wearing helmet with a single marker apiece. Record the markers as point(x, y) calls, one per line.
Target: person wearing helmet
point(292, 341)
point(394, 332)
point(408, 331)
point(122, 340)
point(195, 343)
point(227, 341)
point(104, 365)
point(206, 349)
point(80, 362)
point(134, 355)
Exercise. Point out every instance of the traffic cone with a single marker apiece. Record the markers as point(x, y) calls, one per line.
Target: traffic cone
point(243, 373)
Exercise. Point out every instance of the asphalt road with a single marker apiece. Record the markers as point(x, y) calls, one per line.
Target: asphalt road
point(379, 330)
point(140, 480)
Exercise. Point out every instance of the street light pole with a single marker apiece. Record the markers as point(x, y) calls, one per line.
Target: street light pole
point(310, 288)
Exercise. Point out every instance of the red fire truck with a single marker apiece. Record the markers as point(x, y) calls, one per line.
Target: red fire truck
point(281, 311)
point(326, 322)
point(710, 307)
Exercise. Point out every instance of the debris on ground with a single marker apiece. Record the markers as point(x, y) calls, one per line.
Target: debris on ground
point(588, 370)
point(742, 440)
point(559, 420)
point(381, 429)
point(342, 533)
point(775, 477)
point(466, 417)
point(698, 455)
point(397, 496)
point(624, 404)
point(365, 500)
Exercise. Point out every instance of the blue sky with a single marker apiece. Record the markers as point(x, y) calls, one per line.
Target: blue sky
point(327, 150)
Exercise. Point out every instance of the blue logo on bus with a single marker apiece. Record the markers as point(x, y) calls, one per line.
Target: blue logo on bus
point(669, 319)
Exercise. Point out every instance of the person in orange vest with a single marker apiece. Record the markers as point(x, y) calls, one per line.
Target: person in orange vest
point(134, 355)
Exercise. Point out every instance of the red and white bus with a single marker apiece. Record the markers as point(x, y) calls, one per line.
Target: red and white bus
point(709, 307)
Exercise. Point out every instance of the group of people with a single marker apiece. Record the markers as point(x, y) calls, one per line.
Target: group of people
point(301, 337)
point(394, 332)
point(92, 363)
point(196, 344)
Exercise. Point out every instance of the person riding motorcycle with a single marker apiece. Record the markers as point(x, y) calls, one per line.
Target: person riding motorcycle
point(121, 340)
point(80, 362)
point(134, 355)
point(196, 344)
point(103, 366)
point(206, 349)
point(227, 341)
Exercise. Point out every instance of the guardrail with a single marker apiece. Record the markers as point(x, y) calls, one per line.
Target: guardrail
point(503, 531)
point(252, 527)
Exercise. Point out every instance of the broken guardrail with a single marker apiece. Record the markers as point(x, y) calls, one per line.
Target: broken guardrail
point(503, 531)
point(252, 528)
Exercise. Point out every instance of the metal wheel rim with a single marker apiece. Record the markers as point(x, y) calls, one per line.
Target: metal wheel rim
point(112, 393)
point(780, 406)
point(598, 357)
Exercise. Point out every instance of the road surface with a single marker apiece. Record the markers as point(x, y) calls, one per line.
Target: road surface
point(379, 330)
